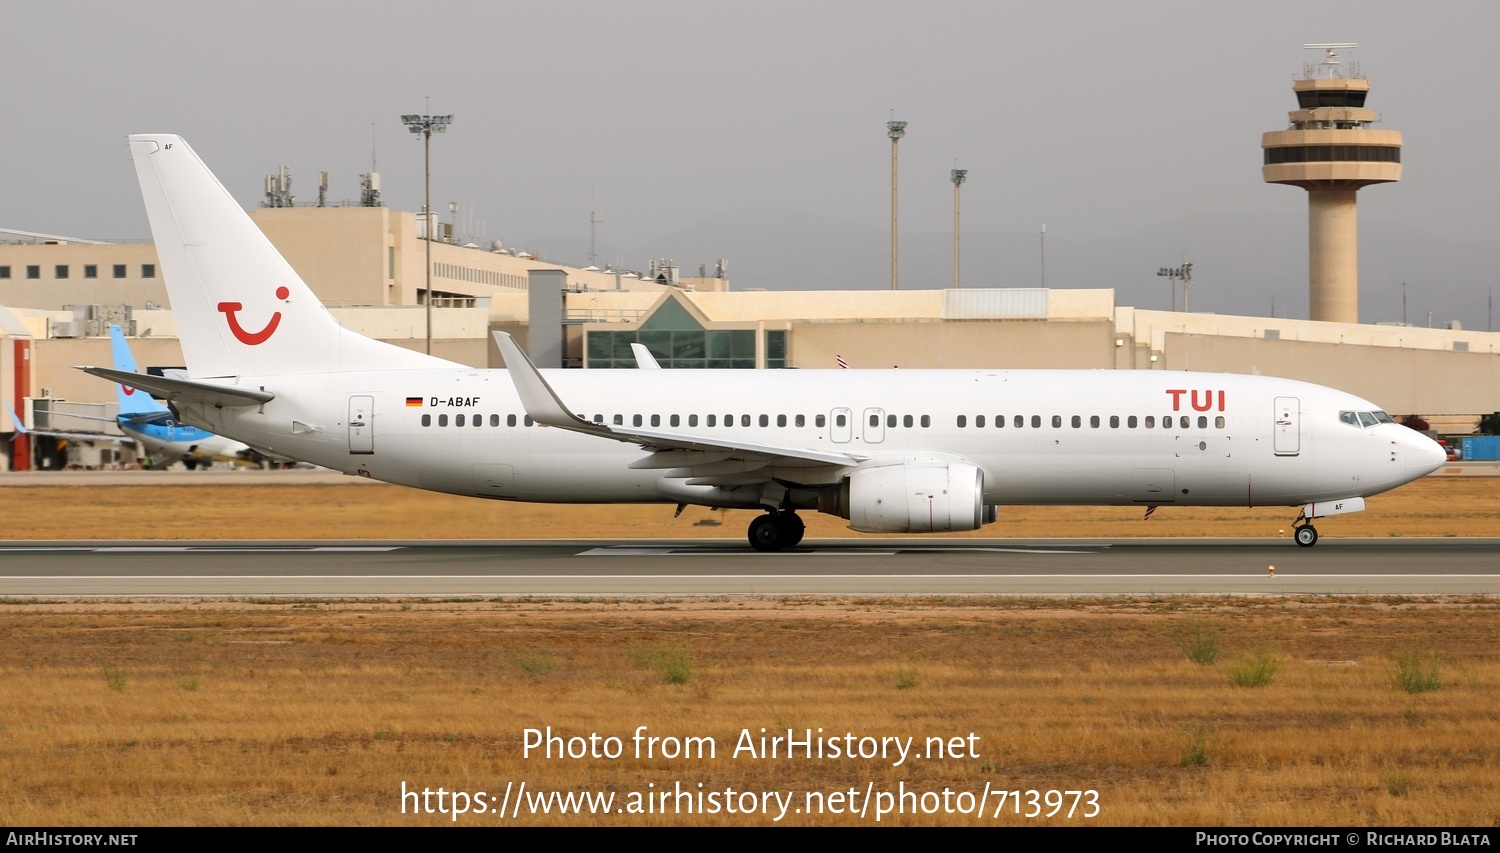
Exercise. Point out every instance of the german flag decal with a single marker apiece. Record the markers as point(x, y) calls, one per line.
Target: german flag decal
point(413, 402)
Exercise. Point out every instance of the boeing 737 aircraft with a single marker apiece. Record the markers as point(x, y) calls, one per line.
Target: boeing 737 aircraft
point(901, 451)
point(161, 438)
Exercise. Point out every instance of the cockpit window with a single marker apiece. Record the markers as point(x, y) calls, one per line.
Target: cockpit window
point(1366, 420)
point(1349, 418)
point(1382, 417)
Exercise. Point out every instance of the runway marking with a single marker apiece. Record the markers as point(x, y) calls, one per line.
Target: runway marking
point(798, 576)
point(628, 551)
point(204, 549)
point(694, 551)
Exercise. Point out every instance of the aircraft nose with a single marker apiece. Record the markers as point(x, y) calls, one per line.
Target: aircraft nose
point(1423, 455)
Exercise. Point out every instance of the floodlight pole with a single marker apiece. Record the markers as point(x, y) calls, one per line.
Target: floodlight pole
point(427, 125)
point(1185, 273)
point(895, 130)
point(957, 176)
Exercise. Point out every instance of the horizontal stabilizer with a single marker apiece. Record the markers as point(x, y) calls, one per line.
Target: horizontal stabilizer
point(185, 390)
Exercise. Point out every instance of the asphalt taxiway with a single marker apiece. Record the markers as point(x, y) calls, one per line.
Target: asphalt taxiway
point(871, 567)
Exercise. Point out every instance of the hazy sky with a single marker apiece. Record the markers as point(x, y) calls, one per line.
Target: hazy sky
point(1097, 118)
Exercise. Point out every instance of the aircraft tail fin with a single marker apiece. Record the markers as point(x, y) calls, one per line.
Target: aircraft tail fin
point(241, 308)
point(132, 400)
point(16, 419)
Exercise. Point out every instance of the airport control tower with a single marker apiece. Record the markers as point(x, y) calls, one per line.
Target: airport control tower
point(1331, 152)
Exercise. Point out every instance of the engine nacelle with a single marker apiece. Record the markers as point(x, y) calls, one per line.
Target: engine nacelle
point(918, 497)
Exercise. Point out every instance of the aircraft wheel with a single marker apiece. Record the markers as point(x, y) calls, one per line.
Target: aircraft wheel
point(190, 464)
point(766, 534)
point(1306, 535)
point(791, 528)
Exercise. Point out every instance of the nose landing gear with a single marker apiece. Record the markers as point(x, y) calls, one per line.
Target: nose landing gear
point(776, 530)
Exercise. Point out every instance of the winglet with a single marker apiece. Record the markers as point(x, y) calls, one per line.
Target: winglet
point(541, 402)
point(644, 360)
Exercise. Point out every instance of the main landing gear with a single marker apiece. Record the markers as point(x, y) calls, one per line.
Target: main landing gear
point(1305, 535)
point(776, 530)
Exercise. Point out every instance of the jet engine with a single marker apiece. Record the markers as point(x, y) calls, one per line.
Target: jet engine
point(918, 497)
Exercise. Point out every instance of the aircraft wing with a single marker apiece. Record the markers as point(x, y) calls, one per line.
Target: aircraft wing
point(545, 407)
point(173, 389)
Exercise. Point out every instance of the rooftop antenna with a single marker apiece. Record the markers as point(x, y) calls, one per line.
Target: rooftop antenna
point(369, 183)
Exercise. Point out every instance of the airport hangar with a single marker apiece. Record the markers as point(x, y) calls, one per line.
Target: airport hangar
point(367, 264)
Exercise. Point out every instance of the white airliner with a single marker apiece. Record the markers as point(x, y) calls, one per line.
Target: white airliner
point(901, 451)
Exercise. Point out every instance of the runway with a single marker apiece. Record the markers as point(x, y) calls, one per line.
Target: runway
point(1057, 567)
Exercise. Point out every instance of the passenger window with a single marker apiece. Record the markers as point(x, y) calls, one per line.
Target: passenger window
point(442, 420)
point(840, 420)
point(1150, 422)
point(458, 420)
point(963, 421)
point(427, 420)
point(656, 420)
point(1186, 424)
point(1020, 421)
point(479, 420)
point(692, 420)
point(495, 420)
point(744, 420)
point(1219, 422)
point(874, 420)
point(999, 422)
point(510, 420)
point(765, 420)
point(822, 421)
point(528, 421)
point(675, 420)
point(890, 421)
point(1077, 422)
point(1094, 421)
point(1114, 422)
point(1202, 422)
point(781, 420)
point(1036, 421)
point(926, 421)
point(979, 420)
point(1130, 422)
point(1057, 420)
point(800, 421)
point(619, 420)
point(908, 421)
point(712, 420)
point(635, 420)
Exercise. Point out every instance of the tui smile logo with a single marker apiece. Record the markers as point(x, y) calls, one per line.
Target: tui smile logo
point(230, 309)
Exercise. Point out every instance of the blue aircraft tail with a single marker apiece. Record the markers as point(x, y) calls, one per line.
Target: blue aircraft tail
point(133, 401)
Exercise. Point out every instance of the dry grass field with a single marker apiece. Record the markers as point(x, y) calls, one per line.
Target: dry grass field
point(316, 714)
point(1302, 711)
